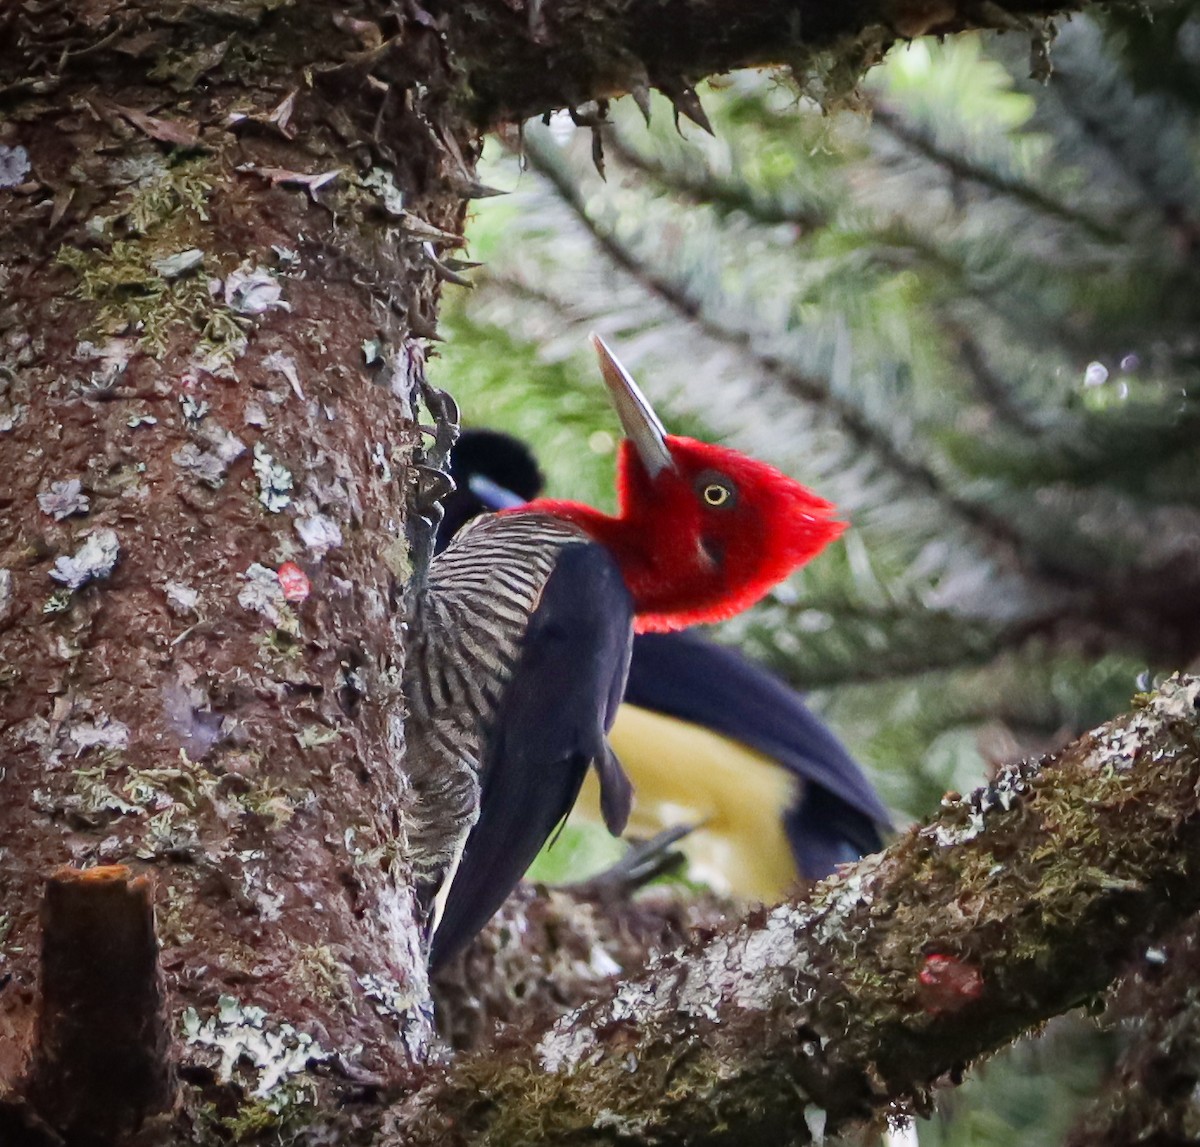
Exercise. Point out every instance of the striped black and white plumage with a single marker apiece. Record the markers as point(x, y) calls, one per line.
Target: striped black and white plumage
point(520, 653)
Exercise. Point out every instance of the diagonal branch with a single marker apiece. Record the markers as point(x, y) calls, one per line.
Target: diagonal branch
point(1013, 906)
point(711, 190)
point(961, 167)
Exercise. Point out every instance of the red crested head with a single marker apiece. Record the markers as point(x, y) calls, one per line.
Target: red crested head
point(702, 531)
point(723, 529)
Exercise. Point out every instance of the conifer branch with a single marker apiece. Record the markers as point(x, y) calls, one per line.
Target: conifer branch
point(991, 389)
point(992, 527)
point(1099, 122)
point(962, 167)
point(709, 190)
point(996, 293)
point(918, 643)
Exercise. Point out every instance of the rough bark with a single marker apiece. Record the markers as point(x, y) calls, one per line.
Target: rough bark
point(1015, 905)
point(212, 298)
point(550, 951)
point(225, 223)
point(1153, 1096)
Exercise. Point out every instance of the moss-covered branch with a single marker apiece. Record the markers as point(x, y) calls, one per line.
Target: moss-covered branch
point(1014, 905)
point(520, 60)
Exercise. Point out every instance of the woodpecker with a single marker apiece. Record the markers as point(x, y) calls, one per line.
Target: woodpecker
point(522, 635)
point(707, 736)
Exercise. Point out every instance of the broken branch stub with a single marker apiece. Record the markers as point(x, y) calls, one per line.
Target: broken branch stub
point(100, 1062)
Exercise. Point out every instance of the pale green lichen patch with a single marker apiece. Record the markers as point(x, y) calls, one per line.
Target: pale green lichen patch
point(262, 594)
point(252, 290)
point(58, 602)
point(181, 599)
point(323, 975)
point(275, 480)
point(112, 785)
point(95, 559)
point(104, 732)
point(267, 1059)
point(319, 533)
point(64, 499)
point(566, 1045)
point(365, 847)
point(98, 792)
point(145, 271)
point(14, 166)
point(314, 736)
point(207, 466)
point(172, 266)
point(387, 997)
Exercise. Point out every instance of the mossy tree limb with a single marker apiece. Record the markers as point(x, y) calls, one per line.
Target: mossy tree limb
point(518, 60)
point(1015, 905)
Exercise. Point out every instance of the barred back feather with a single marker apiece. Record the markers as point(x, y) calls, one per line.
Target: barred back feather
point(470, 618)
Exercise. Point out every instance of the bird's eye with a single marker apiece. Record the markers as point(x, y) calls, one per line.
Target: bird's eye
point(716, 490)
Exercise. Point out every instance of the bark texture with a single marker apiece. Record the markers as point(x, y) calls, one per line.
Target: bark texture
point(564, 53)
point(550, 951)
point(1154, 1095)
point(213, 292)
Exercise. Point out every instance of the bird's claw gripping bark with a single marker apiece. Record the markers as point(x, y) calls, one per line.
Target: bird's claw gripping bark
point(433, 477)
point(432, 486)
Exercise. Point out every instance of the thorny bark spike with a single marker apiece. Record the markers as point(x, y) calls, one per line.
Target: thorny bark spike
point(574, 52)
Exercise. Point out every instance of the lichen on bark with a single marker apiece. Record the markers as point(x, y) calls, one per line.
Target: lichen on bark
point(1038, 888)
point(186, 297)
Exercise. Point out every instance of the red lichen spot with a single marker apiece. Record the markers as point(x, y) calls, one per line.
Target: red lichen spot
point(948, 984)
point(294, 580)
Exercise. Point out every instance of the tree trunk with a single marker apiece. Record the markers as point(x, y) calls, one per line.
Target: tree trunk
point(214, 307)
point(225, 225)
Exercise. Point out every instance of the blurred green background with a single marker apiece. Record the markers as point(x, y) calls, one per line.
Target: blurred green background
point(970, 317)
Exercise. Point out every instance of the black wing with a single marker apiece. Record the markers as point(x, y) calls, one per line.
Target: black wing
point(688, 677)
point(550, 726)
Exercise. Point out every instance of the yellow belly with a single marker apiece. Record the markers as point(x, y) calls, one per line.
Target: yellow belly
point(683, 774)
